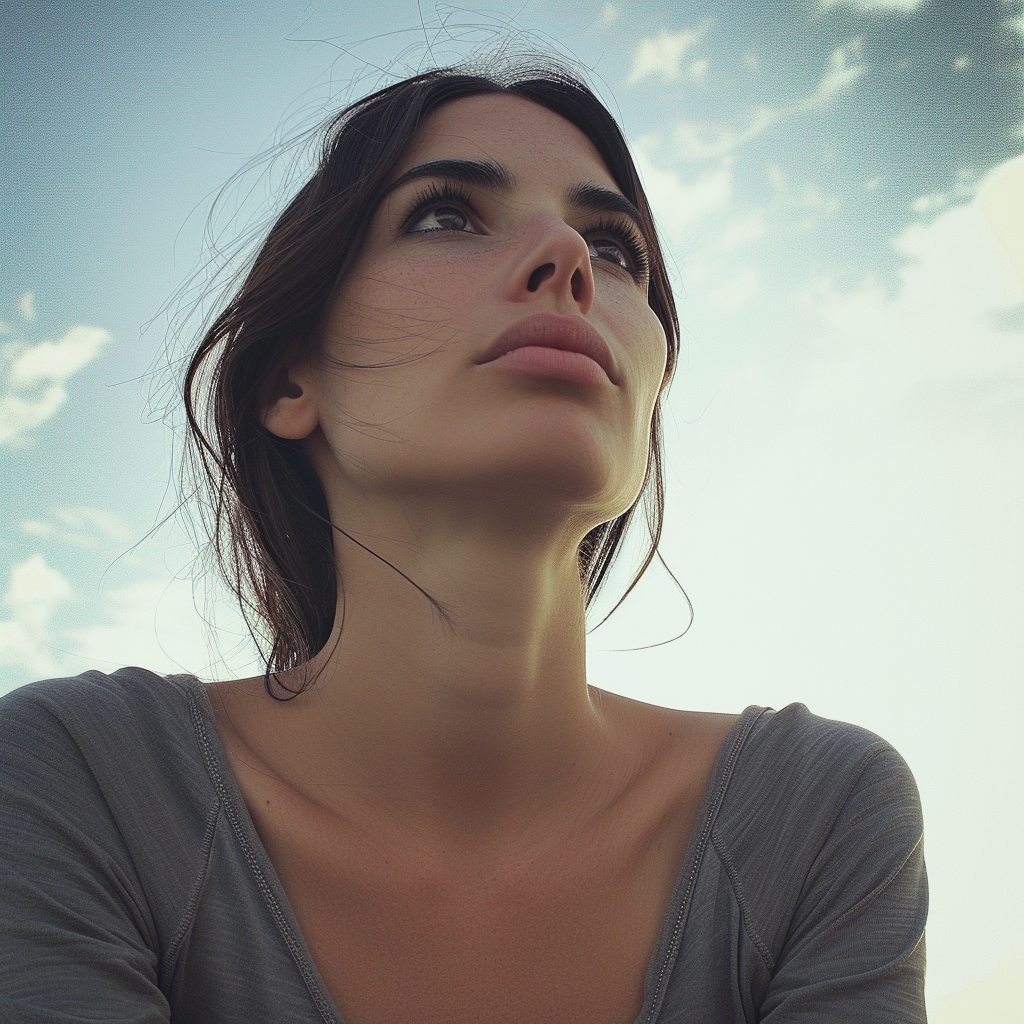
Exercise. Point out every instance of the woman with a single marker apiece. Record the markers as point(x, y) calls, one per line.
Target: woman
point(427, 416)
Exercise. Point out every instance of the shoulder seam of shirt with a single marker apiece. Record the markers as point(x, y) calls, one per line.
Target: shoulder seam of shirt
point(734, 883)
point(192, 904)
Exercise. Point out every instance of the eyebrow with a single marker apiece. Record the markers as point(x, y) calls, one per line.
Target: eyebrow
point(598, 199)
point(472, 172)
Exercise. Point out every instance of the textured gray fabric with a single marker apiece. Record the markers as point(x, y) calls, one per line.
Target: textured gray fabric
point(134, 887)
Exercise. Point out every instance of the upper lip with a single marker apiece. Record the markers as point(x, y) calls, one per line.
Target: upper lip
point(551, 330)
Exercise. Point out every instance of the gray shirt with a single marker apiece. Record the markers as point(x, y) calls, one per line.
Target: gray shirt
point(134, 887)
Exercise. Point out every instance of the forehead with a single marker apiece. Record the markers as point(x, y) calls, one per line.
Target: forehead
point(534, 143)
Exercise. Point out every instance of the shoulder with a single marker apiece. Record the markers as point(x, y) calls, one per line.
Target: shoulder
point(795, 763)
point(816, 806)
point(127, 743)
point(131, 690)
point(117, 717)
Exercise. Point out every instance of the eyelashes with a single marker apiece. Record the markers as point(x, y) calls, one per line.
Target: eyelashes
point(623, 233)
point(434, 198)
point(613, 239)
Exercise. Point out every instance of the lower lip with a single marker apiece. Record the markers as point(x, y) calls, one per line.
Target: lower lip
point(552, 362)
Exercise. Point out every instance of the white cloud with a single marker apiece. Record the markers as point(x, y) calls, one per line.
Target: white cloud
point(962, 62)
point(875, 6)
point(844, 68)
point(663, 55)
point(57, 360)
point(79, 526)
point(152, 622)
point(999, 201)
point(993, 998)
point(738, 290)
point(681, 205)
point(27, 305)
point(34, 593)
point(742, 231)
point(938, 343)
point(32, 381)
point(609, 14)
point(692, 141)
point(698, 71)
point(964, 186)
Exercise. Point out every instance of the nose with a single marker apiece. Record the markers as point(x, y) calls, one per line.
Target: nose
point(555, 265)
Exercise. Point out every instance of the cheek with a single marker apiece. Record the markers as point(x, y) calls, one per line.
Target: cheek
point(644, 348)
point(385, 313)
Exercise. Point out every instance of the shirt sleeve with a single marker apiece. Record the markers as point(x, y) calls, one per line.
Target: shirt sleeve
point(77, 940)
point(855, 946)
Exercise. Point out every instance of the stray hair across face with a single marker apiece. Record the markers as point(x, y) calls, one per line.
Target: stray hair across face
point(267, 514)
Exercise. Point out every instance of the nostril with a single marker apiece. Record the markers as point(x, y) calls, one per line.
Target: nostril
point(539, 276)
point(576, 284)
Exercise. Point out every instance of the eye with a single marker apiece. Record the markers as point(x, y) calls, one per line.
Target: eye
point(609, 249)
point(620, 244)
point(442, 207)
point(442, 218)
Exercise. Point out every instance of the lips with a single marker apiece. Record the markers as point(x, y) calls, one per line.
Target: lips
point(551, 330)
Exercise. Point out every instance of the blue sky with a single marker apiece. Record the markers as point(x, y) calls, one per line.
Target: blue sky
point(841, 191)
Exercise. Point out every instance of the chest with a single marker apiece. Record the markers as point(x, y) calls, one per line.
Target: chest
point(559, 934)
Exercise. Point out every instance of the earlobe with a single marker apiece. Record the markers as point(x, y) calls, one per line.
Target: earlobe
point(289, 408)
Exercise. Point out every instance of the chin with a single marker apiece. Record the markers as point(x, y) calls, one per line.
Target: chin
point(547, 475)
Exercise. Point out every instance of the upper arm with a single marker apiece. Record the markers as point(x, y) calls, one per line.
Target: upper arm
point(855, 946)
point(77, 941)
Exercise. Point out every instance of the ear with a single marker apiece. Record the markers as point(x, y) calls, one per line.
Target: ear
point(288, 408)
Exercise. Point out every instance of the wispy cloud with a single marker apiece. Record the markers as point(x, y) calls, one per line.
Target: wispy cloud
point(32, 377)
point(874, 6)
point(79, 526)
point(844, 68)
point(665, 56)
point(50, 630)
point(680, 204)
point(964, 186)
point(693, 141)
point(936, 342)
point(34, 593)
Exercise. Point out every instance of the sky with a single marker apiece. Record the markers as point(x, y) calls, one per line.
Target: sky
point(840, 189)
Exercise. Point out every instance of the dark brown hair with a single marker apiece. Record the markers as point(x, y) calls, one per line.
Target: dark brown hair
point(267, 514)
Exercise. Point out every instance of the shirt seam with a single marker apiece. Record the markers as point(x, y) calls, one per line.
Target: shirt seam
point(270, 900)
point(706, 828)
point(734, 883)
point(192, 905)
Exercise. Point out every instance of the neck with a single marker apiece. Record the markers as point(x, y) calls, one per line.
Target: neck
point(475, 726)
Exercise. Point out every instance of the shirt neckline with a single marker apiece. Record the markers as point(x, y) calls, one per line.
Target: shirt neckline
point(666, 948)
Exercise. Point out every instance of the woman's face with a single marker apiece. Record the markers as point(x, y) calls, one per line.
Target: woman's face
point(502, 228)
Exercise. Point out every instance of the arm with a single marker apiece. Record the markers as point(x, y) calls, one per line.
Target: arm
point(77, 941)
point(855, 946)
